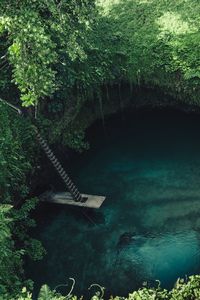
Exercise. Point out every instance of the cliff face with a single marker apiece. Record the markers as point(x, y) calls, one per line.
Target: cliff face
point(153, 45)
point(116, 99)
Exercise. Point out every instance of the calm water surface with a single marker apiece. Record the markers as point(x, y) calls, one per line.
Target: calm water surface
point(148, 166)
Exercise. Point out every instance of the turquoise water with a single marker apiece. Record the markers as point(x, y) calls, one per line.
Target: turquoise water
point(148, 165)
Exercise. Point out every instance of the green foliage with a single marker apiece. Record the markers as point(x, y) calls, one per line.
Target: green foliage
point(46, 294)
point(34, 249)
point(160, 40)
point(21, 225)
point(42, 36)
point(59, 50)
point(16, 154)
point(15, 244)
point(75, 138)
point(67, 51)
point(10, 258)
point(183, 290)
point(32, 52)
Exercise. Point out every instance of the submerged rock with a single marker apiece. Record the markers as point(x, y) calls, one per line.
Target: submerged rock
point(125, 239)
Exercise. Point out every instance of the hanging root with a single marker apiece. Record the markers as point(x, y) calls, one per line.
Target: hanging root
point(100, 293)
point(101, 109)
point(72, 287)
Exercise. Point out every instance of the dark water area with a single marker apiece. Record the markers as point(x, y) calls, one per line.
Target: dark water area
point(147, 163)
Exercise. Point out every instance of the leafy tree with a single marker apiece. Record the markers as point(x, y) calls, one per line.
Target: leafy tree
point(15, 244)
point(17, 149)
point(10, 258)
point(41, 36)
point(160, 41)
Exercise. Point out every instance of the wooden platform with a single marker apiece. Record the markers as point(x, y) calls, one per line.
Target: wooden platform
point(66, 198)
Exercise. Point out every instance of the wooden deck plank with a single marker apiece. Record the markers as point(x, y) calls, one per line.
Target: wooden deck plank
point(93, 201)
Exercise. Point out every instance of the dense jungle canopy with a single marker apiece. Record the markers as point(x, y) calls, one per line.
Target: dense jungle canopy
point(60, 61)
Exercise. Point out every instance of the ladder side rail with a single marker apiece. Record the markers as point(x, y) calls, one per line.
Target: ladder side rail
point(65, 177)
